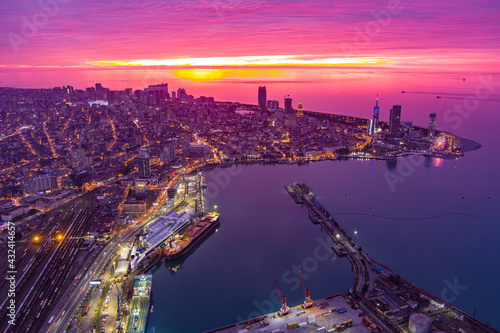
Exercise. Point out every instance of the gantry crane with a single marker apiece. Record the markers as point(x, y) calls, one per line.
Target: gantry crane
point(307, 293)
point(284, 308)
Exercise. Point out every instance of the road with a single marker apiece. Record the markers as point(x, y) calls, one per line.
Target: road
point(64, 312)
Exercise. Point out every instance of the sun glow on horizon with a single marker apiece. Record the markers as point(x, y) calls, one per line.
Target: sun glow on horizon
point(247, 61)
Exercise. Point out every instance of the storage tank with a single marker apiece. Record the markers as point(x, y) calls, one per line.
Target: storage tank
point(420, 323)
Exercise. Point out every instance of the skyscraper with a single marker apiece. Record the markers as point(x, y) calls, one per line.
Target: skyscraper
point(373, 123)
point(78, 158)
point(144, 163)
point(168, 154)
point(181, 94)
point(432, 125)
point(395, 119)
point(288, 105)
point(273, 105)
point(262, 98)
point(157, 94)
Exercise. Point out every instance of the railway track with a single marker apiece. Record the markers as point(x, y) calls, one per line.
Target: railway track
point(41, 281)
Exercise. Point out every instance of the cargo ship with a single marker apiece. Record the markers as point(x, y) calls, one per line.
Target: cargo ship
point(138, 318)
point(181, 244)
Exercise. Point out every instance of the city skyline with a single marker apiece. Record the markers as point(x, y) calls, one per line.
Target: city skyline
point(167, 160)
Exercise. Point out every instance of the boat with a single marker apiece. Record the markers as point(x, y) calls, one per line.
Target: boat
point(152, 306)
point(140, 305)
point(192, 236)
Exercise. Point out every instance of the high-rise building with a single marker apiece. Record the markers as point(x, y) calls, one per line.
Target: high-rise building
point(181, 94)
point(376, 115)
point(300, 110)
point(432, 125)
point(288, 105)
point(102, 147)
point(168, 154)
point(373, 123)
point(144, 163)
point(273, 105)
point(262, 98)
point(78, 159)
point(370, 125)
point(157, 94)
point(395, 119)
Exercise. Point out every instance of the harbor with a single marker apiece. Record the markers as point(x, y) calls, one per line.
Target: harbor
point(334, 313)
point(396, 304)
point(256, 231)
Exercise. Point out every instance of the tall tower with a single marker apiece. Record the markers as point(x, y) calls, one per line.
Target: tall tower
point(395, 119)
point(262, 98)
point(144, 163)
point(373, 123)
point(432, 125)
point(300, 110)
point(288, 105)
point(376, 114)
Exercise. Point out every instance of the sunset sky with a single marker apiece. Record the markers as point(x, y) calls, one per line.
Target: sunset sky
point(404, 35)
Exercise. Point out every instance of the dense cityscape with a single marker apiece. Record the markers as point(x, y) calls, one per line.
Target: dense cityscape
point(111, 181)
point(249, 166)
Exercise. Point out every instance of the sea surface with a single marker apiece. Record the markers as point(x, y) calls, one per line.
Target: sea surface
point(437, 225)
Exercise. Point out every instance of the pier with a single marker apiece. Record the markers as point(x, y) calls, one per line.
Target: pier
point(375, 284)
point(333, 313)
point(378, 301)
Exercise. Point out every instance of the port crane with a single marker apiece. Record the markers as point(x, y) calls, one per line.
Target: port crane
point(308, 303)
point(284, 308)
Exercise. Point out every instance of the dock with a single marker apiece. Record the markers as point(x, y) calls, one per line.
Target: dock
point(296, 192)
point(327, 315)
point(376, 288)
